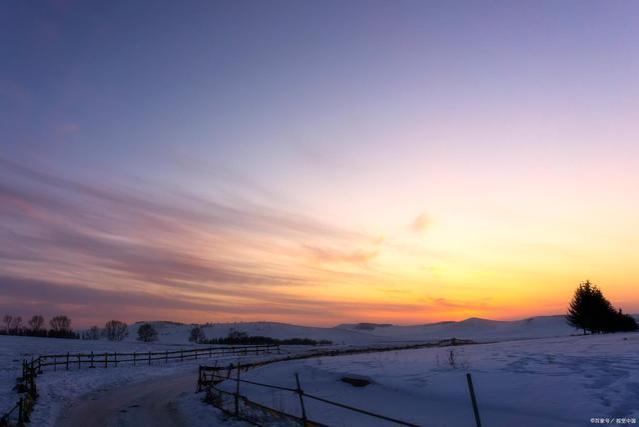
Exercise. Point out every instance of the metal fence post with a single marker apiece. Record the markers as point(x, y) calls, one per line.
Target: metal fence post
point(300, 393)
point(32, 376)
point(20, 415)
point(237, 391)
point(473, 399)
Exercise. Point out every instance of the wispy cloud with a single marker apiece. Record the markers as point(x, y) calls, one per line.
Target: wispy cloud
point(420, 223)
point(332, 255)
point(131, 246)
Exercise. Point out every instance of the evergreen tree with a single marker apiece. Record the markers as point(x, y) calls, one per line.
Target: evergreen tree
point(590, 311)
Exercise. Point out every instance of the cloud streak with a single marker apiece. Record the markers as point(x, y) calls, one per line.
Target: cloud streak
point(129, 247)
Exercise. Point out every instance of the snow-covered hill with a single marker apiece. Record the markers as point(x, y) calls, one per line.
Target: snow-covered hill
point(473, 328)
point(369, 333)
point(176, 333)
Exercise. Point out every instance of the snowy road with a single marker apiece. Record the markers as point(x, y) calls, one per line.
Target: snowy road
point(148, 403)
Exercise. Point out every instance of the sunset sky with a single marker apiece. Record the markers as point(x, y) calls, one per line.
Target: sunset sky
point(317, 162)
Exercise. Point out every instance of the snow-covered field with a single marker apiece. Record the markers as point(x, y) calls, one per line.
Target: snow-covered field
point(58, 388)
point(545, 382)
point(13, 350)
point(564, 380)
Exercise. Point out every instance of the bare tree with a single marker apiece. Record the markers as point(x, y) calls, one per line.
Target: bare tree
point(60, 324)
point(147, 333)
point(7, 320)
point(93, 333)
point(197, 334)
point(115, 330)
point(16, 325)
point(36, 323)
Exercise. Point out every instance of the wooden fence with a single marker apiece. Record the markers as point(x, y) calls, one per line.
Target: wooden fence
point(95, 360)
point(19, 413)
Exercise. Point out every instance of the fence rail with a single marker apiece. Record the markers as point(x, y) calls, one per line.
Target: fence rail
point(210, 377)
point(19, 413)
point(93, 360)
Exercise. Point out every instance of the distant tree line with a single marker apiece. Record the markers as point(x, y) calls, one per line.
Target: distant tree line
point(591, 312)
point(241, 338)
point(59, 327)
point(115, 330)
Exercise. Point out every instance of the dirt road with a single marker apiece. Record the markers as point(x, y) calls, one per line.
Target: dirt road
point(144, 404)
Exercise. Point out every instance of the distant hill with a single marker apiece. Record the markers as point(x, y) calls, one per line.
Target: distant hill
point(368, 333)
point(476, 329)
point(364, 326)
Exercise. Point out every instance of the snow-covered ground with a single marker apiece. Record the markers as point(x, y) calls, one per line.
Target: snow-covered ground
point(58, 388)
point(564, 379)
point(13, 350)
point(544, 382)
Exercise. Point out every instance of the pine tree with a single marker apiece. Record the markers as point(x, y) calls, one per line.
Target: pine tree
point(590, 311)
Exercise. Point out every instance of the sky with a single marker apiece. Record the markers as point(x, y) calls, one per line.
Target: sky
point(317, 162)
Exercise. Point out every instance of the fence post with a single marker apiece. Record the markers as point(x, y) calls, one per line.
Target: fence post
point(20, 417)
point(210, 352)
point(473, 399)
point(32, 390)
point(92, 365)
point(166, 356)
point(55, 363)
point(149, 358)
point(237, 391)
point(67, 360)
point(134, 357)
point(79, 362)
point(181, 355)
point(115, 356)
point(300, 393)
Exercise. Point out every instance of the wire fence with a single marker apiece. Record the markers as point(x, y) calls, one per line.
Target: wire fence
point(240, 406)
point(18, 415)
point(236, 404)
